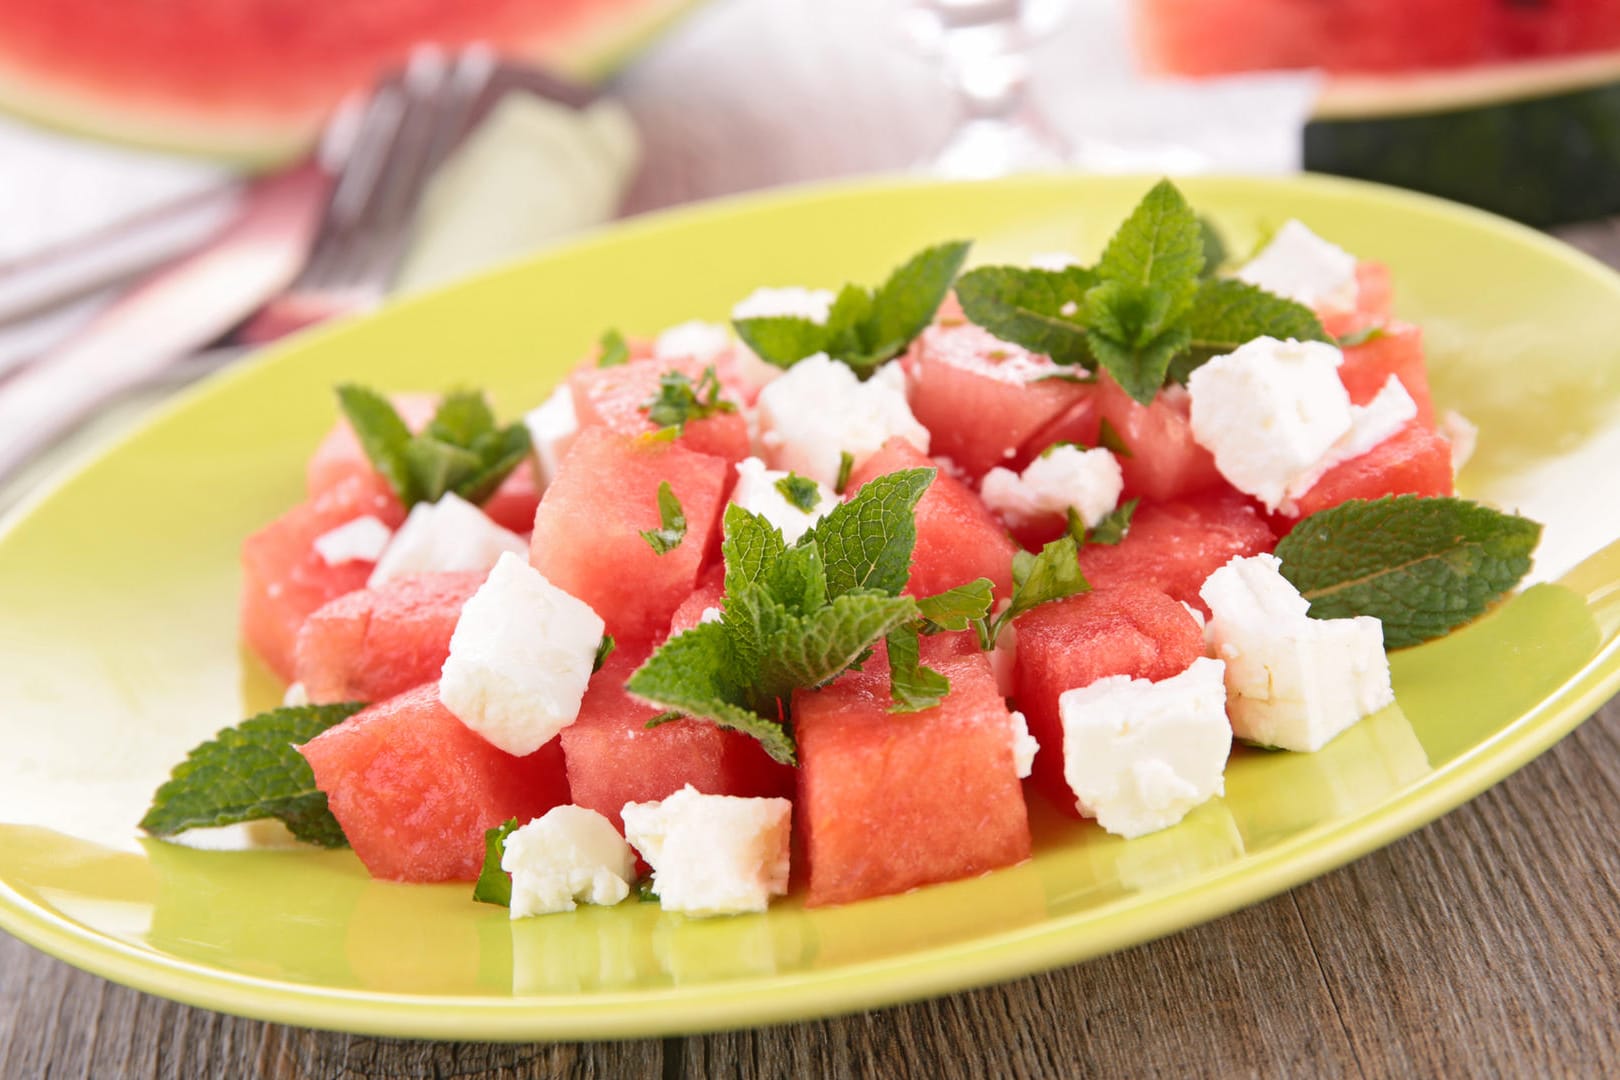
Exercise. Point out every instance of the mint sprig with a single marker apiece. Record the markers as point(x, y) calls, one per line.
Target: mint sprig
point(671, 521)
point(865, 327)
point(614, 351)
point(1421, 565)
point(958, 608)
point(604, 649)
point(912, 686)
point(252, 772)
point(679, 401)
point(462, 449)
point(1052, 575)
point(1042, 310)
point(1226, 313)
point(494, 884)
point(800, 492)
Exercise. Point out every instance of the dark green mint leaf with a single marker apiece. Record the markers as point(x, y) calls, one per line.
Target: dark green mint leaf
point(782, 340)
point(679, 401)
point(1215, 250)
point(866, 543)
point(905, 304)
point(1112, 528)
point(749, 545)
point(812, 650)
point(846, 465)
point(615, 351)
point(494, 885)
point(956, 609)
point(462, 418)
point(668, 716)
point(383, 436)
point(1160, 246)
point(1054, 574)
point(912, 686)
point(1140, 369)
point(800, 491)
point(604, 649)
point(672, 522)
point(500, 453)
point(1227, 313)
point(797, 580)
point(1109, 438)
point(1042, 310)
point(1360, 337)
point(437, 467)
point(1076, 525)
point(644, 891)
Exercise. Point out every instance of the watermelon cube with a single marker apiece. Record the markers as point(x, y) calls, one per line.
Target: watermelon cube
point(1414, 461)
point(1130, 629)
point(1163, 461)
point(710, 593)
point(375, 643)
point(958, 538)
point(415, 790)
point(890, 801)
point(1174, 546)
point(587, 533)
point(1397, 351)
point(1374, 296)
point(617, 397)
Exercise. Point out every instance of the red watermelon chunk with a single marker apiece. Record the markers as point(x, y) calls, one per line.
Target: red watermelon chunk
point(1130, 629)
point(617, 398)
point(415, 790)
point(958, 538)
point(1164, 462)
point(614, 758)
point(887, 801)
point(1374, 295)
point(374, 643)
point(710, 593)
point(284, 579)
point(974, 394)
point(1414, 461)
point(587, 533)
point(1397, 351)
point(1174, 546)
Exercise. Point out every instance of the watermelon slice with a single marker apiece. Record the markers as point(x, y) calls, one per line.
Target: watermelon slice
point(1374, 297)
point(710, 593)
point(890, 801)
point(1416, 461)
point(415, 790)
point(1396, 350)
point(1174, 546)
point(1160, 460)
point(617, 397)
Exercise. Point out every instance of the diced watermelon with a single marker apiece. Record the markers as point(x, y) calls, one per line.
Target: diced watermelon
point(1164, 461)
point(284, 579)
point(587, 533)
point(710, 591)
point(614, 758)
point(1132, 629)
point(1174, 546)
point(1079, 423)
point(339, 456)
point(958, 538)
point(415, 790)
point(617, 397)
point(1415, 461)
point(974, 394)
point(1374, 295)
point(1397, 351)
point(374, 643)
point(887, 801)
point(515, 501)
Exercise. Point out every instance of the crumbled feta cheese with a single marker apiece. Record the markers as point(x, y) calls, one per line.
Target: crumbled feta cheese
point(795, 301)
point(1301, 266)
point(695, 340)
point(710, 614)
point(1292, 681)
point(295, 696)
point(449, 535)
point(756, 491)
point(1139, 755)
point(552, 427)
point(520, 657)
point(750, 373)
point(1269, 412)
point(1463, 435)
point(361, 540)
point(819, 410)
point(1064, 476)
point(1390, 410)
point(1023, 744)
point(712, 854)
point(1053, 260)
point(571, 855)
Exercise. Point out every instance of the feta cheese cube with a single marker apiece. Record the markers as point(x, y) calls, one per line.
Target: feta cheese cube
point(819, 411)
point(1139, 755)
point(1053, 260)
point(695, 340)
point(1390, 410)
point(1024, 745)
point(1088, 480)
point(1463, 435)
point(361, 540)
point(552, 427)
point(520, 657)
point(571, 855)
point(1269, 412)
point(712, 854)
point(757, 491)
point(793, 301)
point(295, 697)
point(1301, 266)
point(449, 535)
point(1292, 681)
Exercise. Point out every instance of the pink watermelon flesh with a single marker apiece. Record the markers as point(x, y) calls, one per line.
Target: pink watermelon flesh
point(1163, 460)
point(888, 802)
point(284, 580)
point(1416, 461)
point(958, 538)
point(710, 593)
point(1397, 350)
point(1374, 296)
point(1131, 629)
point(587, 532)
point(415, 790)
point(375, 643)
point(617, 397)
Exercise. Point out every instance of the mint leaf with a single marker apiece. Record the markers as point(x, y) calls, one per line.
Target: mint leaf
point(1140, 361)
point(615, 351)
point(866, 543)
point(461, 449)
point(958, 608)
point(1042, 310)
point(679, 401)
point(1421, 565)
point(1360, 337)
point(749, 545)
point(463, 416)
point(811, 650)
point(1227, 313)
point(905, 304)
point(800, 491)
point(672, 522)
point(383, 436)
point(797, 580)
point(782, 340)
point(912, 686)
point(1109, 438)
point(499, 453)
point(1076, 526)
point(494, 885)
point(1160, 246)
point(1054, 574)
point(438, 467)
point(846, 465)
point(1215, 250)
point(604, 649)
point(251, 772)
point(1113, 527)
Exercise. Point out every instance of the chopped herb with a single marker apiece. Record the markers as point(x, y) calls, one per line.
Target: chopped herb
point(672, 522)
point(801, 492)
point(615, 352)
point(679, 401)
point(494, 885)
point(846, 465)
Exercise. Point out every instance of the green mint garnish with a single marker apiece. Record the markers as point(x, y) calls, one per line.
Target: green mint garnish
point(494, 885)
point(1215, 250)
point(251, 772)
point(1228, 313)
point(865, 327)
point(644, 891)
point(912, 686)
point(1423, 566)
point(1360, 337)
point(1109, 438)
point(846, 465)
point(800, 491)
point(1052, 575)
point(958, 608)
point(615, 350)
point(604, 649)
point(461, 450)
point(672, 522)
point(1042, 310)
point(1110, 530)
point(680, 401)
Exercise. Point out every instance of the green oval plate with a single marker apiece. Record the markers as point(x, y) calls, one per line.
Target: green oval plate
point(118, 646)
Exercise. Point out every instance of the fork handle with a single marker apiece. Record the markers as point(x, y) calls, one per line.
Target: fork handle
point(174, 312)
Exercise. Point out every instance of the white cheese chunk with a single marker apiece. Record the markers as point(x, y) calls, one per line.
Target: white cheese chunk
point(710, 615)
point(552, 427)
point(794, 301)
point(447, 536)
point(1269, 412)
point(1301, 266)
point(361, 540)
point(1292, 681)
point(1024, 745)
point(1463, 435)
point(819, 411)
point(712, 854)
point(695, 340)
point(1053, 260)
point(1390, 410)
point(757, 492)
point(520, 657)
point(1139, 755)
point(296, 696)
point(1088, 480)
point(570, 856)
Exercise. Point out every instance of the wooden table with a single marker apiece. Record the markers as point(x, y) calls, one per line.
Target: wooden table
point(1485, 944)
